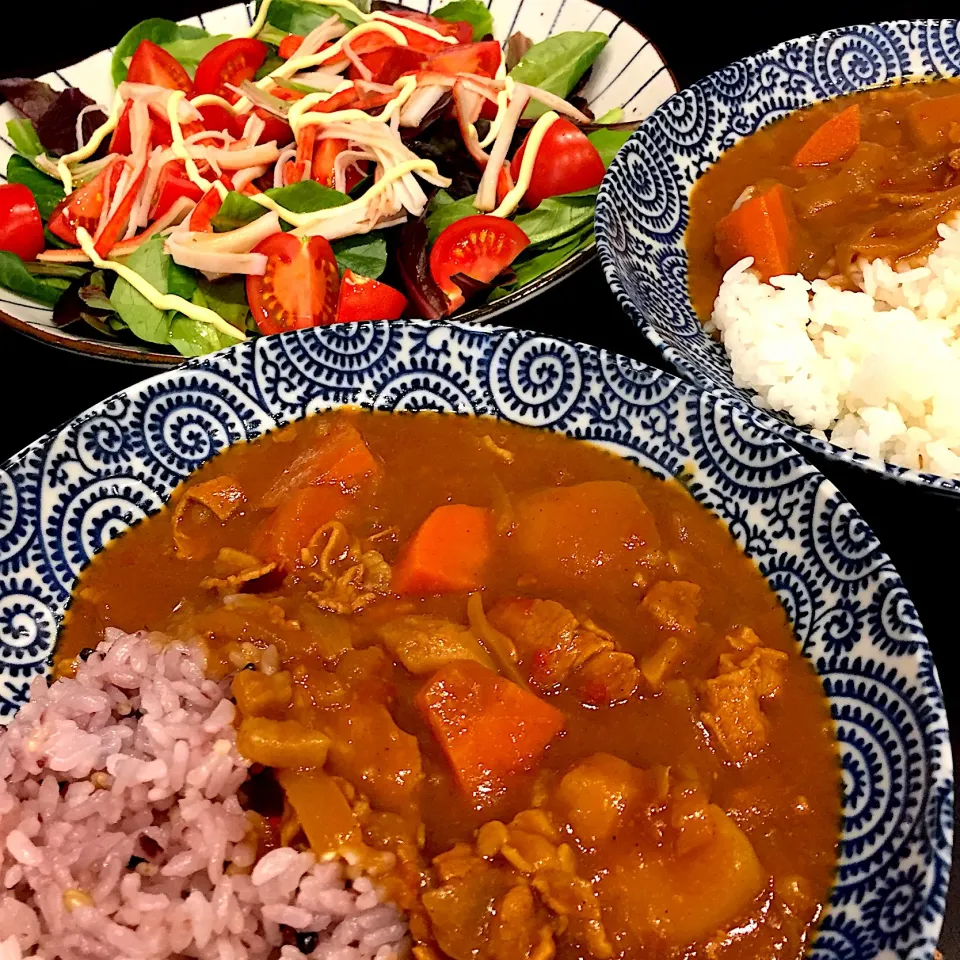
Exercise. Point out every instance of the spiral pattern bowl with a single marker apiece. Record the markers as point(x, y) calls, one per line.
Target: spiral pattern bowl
point(63, 497)
point(644, 204)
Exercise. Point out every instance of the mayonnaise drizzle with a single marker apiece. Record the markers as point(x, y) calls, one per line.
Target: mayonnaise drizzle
point(299, 115)
point(162, 301)
point(91, 146)
point(503, 101)
point(535, 141)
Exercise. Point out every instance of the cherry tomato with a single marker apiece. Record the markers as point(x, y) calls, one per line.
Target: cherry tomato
point(21, 229)
point(216, 117)
point(172, 184)
point(300, 286)
point(481, 58)
point(205, 210)
point(160, 135)
point(566, 162)
point(389, 63)
point(273, 128)
point(480, 247)
point(364, 299)
point(83, 207)
point(117, 223)
point(152, 64)
point(289, 45)
point(230, 62)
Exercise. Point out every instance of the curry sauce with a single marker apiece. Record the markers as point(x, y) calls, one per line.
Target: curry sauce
point(576, 721)
point(880, 195)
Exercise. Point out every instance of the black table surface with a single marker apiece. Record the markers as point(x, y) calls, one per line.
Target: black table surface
point(45, 386)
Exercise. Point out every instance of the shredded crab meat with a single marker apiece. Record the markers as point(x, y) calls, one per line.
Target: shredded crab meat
point(345, 160)
point(487, 191)
point(331, 29)
point(357, 63)
point(82, 115)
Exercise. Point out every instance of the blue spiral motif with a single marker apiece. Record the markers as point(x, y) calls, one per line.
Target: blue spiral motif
point(68, 495)
point(642, 209)
point(535, 380)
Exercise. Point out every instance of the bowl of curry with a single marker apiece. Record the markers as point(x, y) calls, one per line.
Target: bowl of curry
point(783, 231)
point(533, 647)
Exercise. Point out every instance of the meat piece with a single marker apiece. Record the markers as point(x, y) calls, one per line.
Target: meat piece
point(673, 606)
point(424, 644)
point(214, 502)
point(351, 574)
point(558, 650)
point(733, 698)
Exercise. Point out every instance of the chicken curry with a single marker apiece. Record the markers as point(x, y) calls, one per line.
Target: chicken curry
point(866, 176)
point(537, 692)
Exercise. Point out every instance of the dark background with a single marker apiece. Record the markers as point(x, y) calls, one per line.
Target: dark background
point(920, 530)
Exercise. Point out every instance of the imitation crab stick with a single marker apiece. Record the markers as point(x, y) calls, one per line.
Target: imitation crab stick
point(762, 228)
point(489, 727)
point(448, 552)
point(834, 140)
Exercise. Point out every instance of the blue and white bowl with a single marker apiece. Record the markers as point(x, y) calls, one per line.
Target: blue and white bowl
point(65, 496)
point(644, 204)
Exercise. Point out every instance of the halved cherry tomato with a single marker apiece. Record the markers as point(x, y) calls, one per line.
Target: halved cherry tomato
point(364, 299)
point(120, 141)
point(566, 162)
point(172, 184)
point(83, 207)
point(389, 63)
point(273, 128)
point(482, 58)
point(152, 64)
point(289, 45)
point(300, 286)
point(117, 223)
point(205, 210)
point(21, 229)
point(479, 247)
point(233, 62)
point(216, 117)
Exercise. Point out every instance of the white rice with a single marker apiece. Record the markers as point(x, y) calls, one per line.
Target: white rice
point(136, 758)
point(879, 370)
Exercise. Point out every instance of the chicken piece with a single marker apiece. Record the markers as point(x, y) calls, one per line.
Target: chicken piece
point(424, 644)
point(673, 606)
point(747, 676)
point(558, 650)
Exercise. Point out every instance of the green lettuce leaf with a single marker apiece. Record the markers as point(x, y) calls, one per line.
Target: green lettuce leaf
point(15, 277)
point(444, 210)
point(301, 16)
point(189, 52)
point(614, 115)
point(365, 254)
point(557, 217)
point(608, 142)
point(23, 135)
point(157, 268)
point(557, 64)
point(227, 297)
point(305, 197)
point(46, 191)
point(471, 11)
point(534, 262)
point(192, 338)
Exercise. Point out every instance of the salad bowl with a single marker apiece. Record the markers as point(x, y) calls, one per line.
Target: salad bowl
point(643, 209)
point(66, 495)
point(629, 76)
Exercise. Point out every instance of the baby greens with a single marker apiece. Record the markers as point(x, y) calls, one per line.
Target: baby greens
point(184, 43)
point(469, 11)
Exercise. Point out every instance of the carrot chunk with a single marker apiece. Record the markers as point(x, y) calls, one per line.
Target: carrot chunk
point(762, 228)
point(833, 140)
point(448, 552)
point(340, 456)
point(282, 535)
point(489, 727)
point(935, 122)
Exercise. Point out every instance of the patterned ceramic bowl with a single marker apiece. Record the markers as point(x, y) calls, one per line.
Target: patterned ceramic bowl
point(644, 207)
point(630, 73)
point(65, 496)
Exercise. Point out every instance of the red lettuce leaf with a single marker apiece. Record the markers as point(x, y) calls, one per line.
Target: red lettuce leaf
point(427, 300)
point(53, 112)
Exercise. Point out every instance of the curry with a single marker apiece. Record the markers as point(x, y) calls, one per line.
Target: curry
point(537, 692)
point(866, 176)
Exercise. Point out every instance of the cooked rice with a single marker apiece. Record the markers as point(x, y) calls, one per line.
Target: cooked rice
point(878, 369)
point(136, 758)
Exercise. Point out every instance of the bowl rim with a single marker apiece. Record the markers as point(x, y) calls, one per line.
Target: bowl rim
point(797, 435)
point(230, 364)
point(123, 352)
